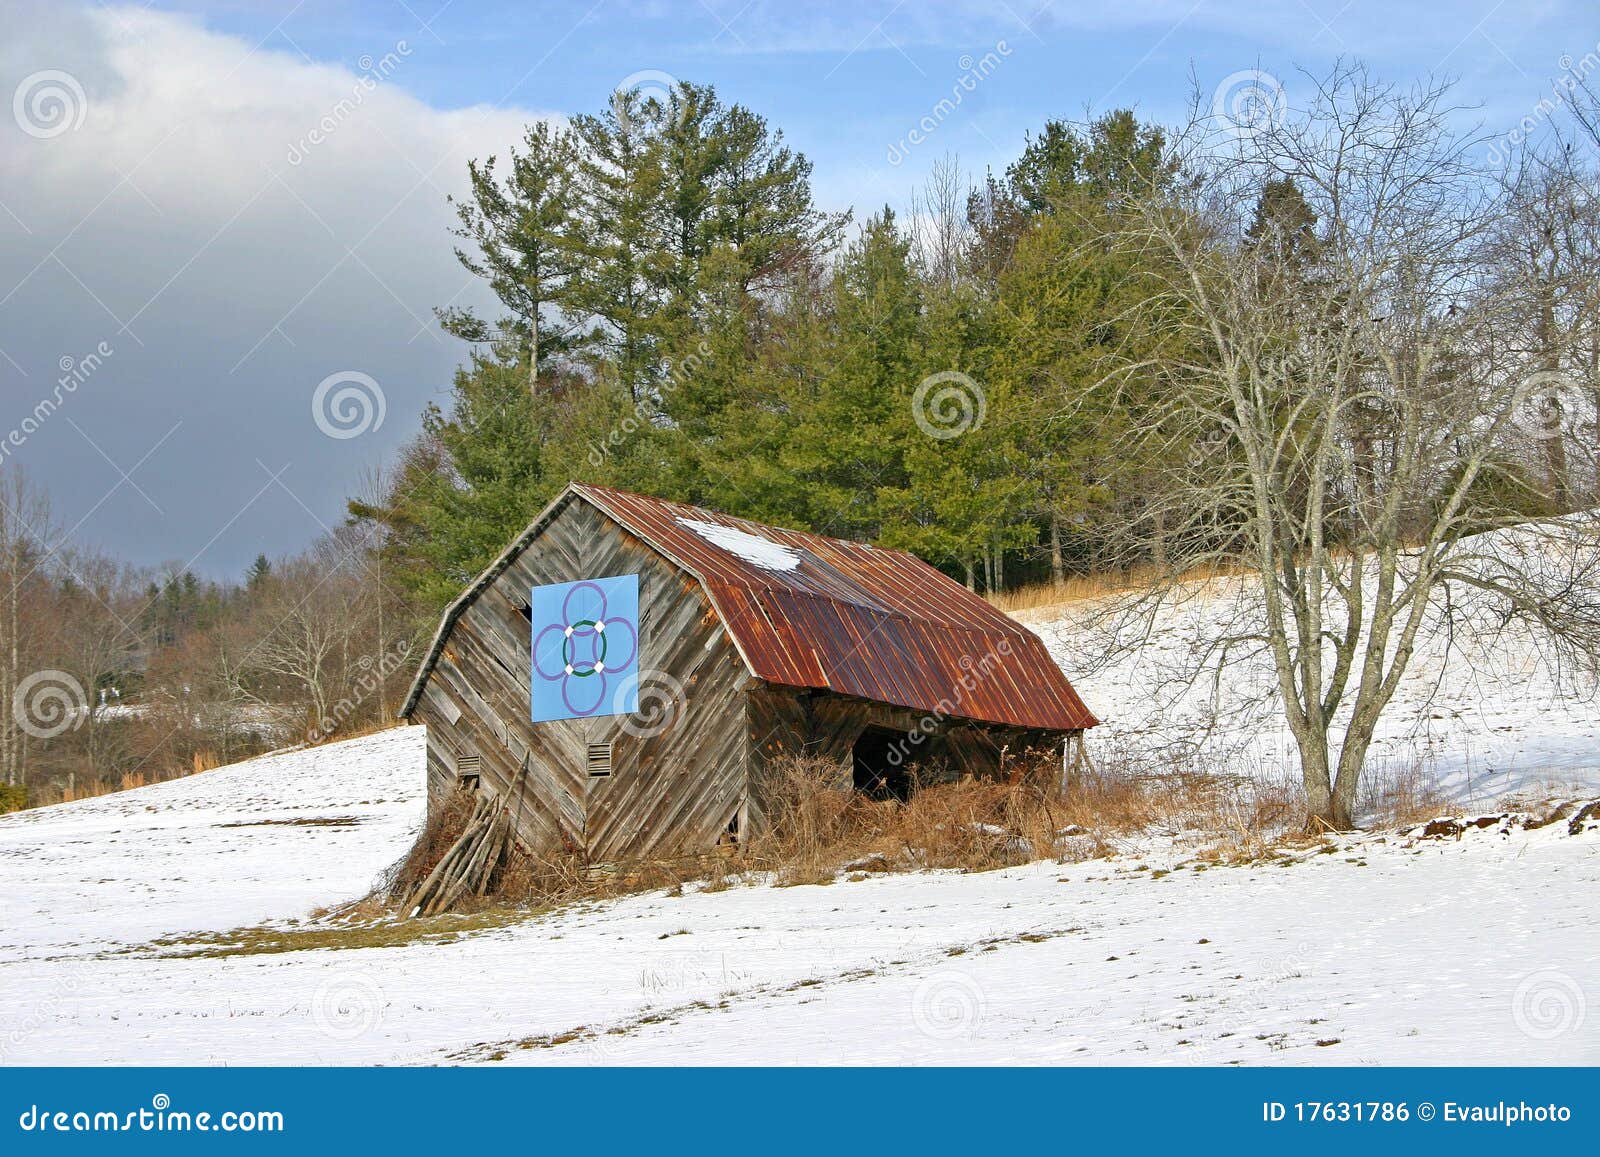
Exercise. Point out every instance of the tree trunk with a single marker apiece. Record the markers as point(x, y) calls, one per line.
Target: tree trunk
point(1158, 543)
point(1325, 808)
point(533, 356)
point(1058, 567)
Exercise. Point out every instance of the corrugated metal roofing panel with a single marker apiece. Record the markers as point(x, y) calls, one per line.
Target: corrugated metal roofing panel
point(857, 620)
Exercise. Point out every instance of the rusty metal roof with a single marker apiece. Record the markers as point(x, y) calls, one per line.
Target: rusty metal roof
point(824, 613)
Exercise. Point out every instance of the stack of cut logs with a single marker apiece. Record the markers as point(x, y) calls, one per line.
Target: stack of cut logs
point(469, 865)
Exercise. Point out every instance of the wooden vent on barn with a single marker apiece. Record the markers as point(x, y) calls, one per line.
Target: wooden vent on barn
point(599, 760)
point(469, 770)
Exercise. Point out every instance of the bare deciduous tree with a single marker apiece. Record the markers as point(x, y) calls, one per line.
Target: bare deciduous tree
point(1547, 282)
point(1333, 408)
point(940, 231)
point(25, 530)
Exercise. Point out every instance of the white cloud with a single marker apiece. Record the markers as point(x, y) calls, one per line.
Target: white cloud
point(236, 223)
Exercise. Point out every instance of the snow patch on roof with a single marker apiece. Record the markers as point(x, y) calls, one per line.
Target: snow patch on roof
point(752, 548)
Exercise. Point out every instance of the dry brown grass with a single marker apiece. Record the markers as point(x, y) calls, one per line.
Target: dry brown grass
point(89, 789)
point(529, 879)
point(442, 828)
point(818, 830)
point(1077, 588)
point(1400, 794)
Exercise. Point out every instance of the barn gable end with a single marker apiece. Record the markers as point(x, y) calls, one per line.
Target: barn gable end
point(474, 700)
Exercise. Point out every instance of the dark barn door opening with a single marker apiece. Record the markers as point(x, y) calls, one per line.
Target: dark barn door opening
point(883, 764)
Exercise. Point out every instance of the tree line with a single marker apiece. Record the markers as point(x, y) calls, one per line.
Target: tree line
point(1328, 348)
point(114, 676)
point(678, 317)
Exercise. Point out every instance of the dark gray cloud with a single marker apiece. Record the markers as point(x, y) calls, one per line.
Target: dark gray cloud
point(194, 233)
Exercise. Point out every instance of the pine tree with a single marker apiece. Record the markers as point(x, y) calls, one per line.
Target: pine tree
point(524, 233)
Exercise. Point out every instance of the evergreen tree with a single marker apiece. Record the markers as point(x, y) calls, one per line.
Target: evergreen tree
point(523, 230)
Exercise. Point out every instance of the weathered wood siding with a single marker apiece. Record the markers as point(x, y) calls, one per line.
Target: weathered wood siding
point(671, 789)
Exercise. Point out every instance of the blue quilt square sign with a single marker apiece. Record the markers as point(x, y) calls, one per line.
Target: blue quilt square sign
point(585, 648)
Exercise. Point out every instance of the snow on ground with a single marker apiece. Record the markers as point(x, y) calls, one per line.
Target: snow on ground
point(1478, 949)
point(1485, 717)
point(1379, 949)
point(269, 838)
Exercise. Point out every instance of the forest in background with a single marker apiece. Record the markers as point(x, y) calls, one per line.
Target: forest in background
point(999, 378)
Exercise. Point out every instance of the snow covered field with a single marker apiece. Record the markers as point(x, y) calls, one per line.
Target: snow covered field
point(1386, 950)
point(1488, 716)
point(1378, 948)
point(267, 838)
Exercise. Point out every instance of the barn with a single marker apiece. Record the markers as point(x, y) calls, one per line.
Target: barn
point(627, 667)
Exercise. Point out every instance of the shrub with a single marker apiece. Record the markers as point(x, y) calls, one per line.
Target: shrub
point(443, 827)
point(813, 826)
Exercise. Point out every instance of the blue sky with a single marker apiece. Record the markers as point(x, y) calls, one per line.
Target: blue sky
point(847, 80)
point(169, 219)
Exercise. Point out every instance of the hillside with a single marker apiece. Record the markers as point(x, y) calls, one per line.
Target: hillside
point(170, 924)
point(1481, 715)
point(1385, 949)
point(266, 838)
